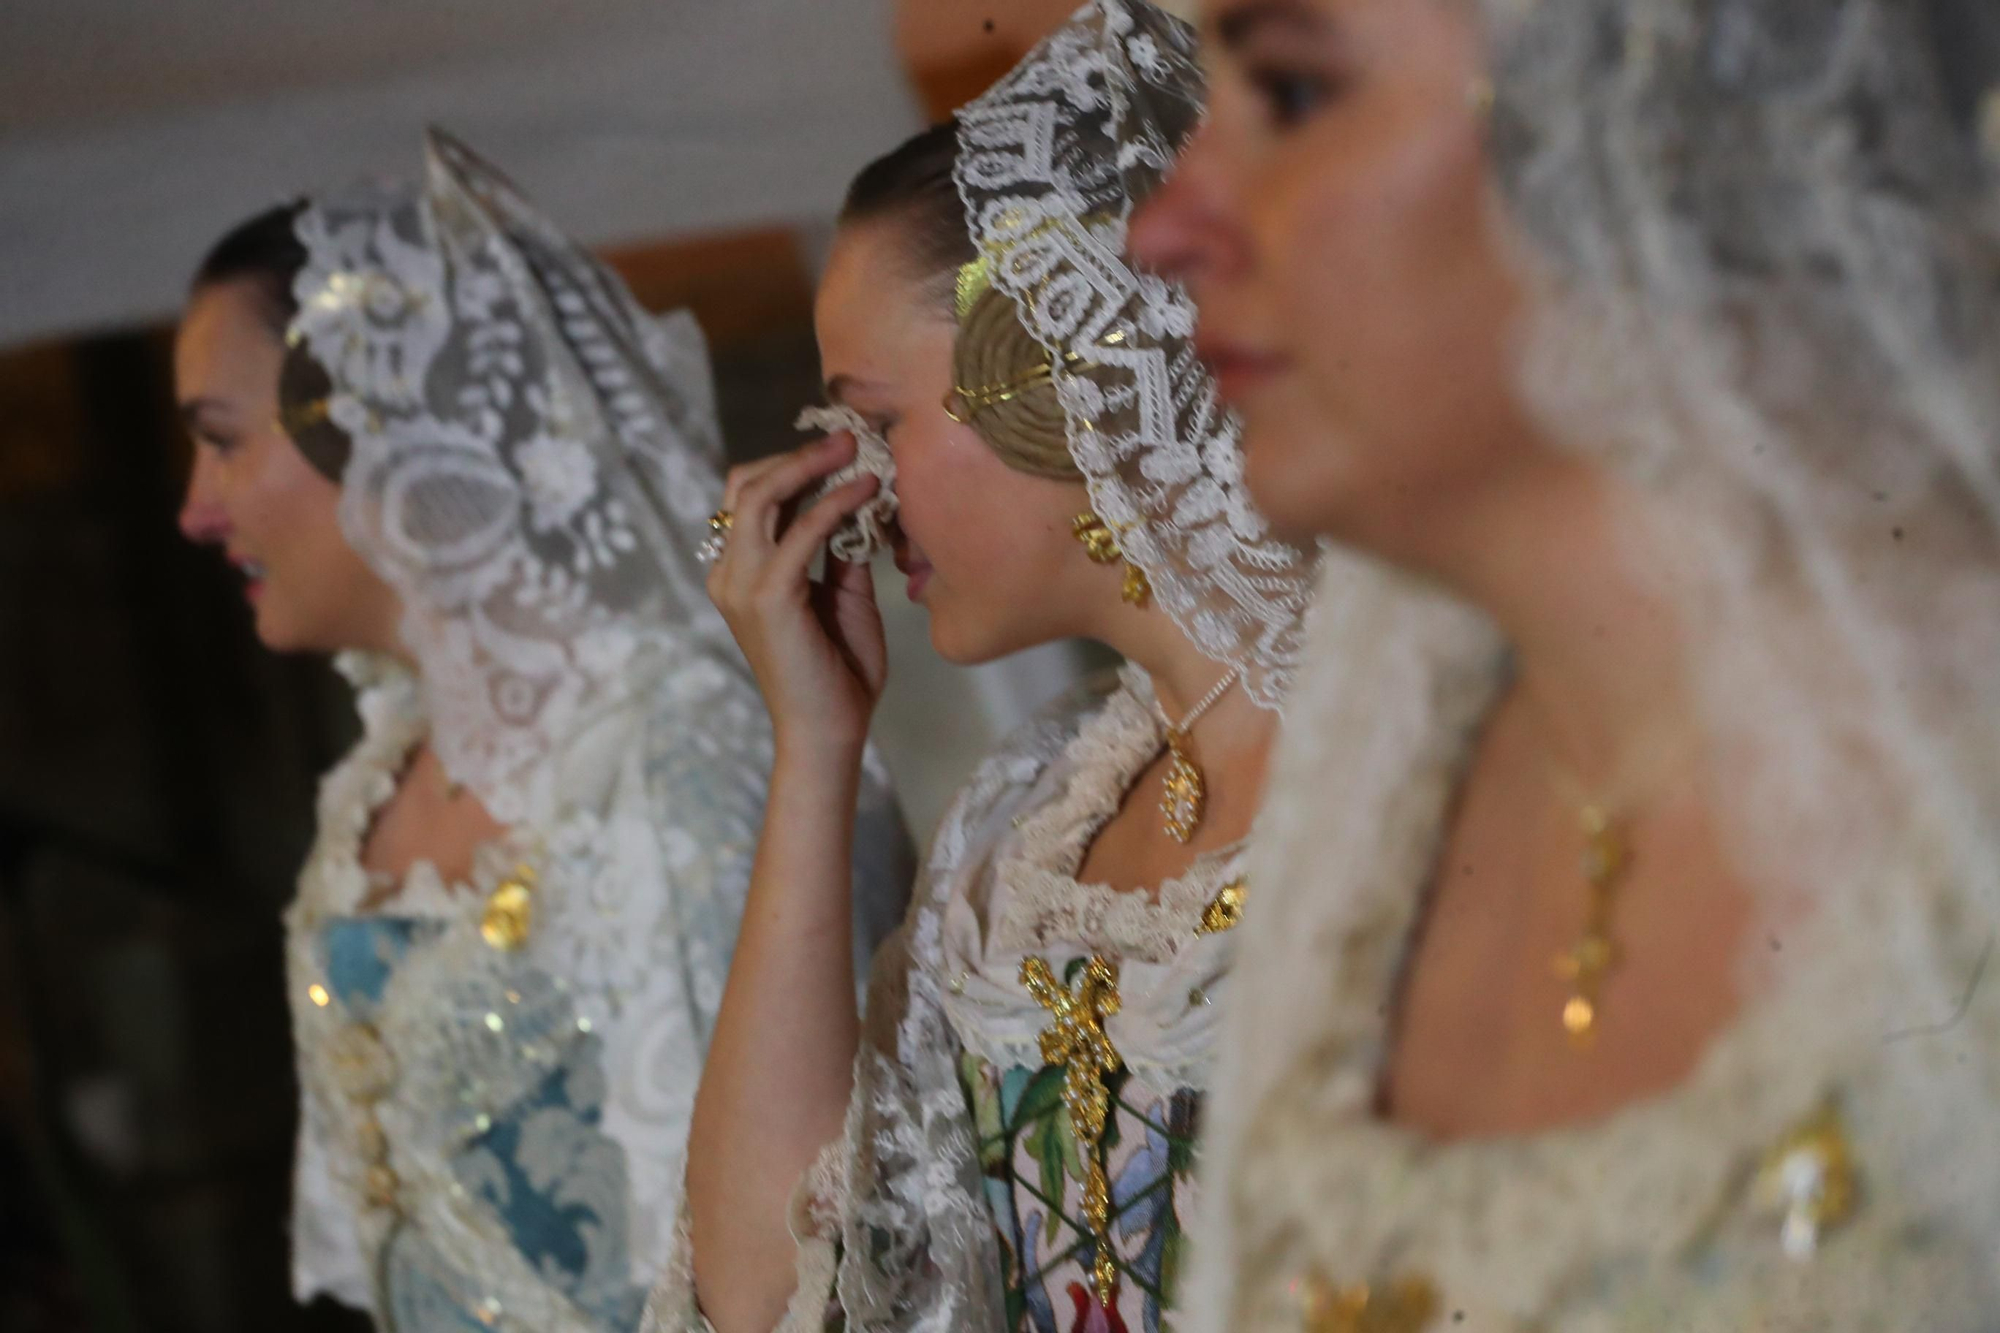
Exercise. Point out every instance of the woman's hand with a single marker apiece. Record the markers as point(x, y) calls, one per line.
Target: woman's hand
point(816, 647)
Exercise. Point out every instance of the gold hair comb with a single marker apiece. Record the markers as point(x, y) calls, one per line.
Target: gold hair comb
point(974, 280)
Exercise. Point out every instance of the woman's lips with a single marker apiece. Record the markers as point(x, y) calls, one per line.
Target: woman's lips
point(1238, 370)
point(914, 568)
point(253, 577)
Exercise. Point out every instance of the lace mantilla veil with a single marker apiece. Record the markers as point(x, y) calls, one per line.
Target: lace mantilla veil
point(533, 457)
point(1764, 244)
point(1052, 161)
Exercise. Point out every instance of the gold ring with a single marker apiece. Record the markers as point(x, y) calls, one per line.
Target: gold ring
point(719, 524)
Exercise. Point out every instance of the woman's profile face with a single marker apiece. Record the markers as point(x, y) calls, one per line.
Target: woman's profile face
point(253, 494)
point(988, 550)
point(1334, 223)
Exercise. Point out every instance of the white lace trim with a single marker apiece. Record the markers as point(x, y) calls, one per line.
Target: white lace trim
point(1040, 904)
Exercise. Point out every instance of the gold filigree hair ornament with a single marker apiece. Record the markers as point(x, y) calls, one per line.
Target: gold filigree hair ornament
point(305, 413)
point(992, 344)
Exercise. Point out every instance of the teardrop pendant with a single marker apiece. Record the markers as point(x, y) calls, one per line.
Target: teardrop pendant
point(1184, 793)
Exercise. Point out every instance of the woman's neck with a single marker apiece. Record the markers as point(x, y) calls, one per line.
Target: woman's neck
point(1559, 566)
point(1234, 727)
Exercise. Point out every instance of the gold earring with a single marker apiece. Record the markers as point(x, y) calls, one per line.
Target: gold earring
point(1100, 543)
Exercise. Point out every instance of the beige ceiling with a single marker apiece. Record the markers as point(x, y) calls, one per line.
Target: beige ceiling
point(133, 131)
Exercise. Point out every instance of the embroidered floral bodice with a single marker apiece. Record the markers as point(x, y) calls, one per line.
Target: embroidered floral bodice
point(493, 1123)
point(955, 1199)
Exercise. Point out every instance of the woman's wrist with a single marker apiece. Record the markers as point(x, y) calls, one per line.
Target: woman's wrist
point(819, 750)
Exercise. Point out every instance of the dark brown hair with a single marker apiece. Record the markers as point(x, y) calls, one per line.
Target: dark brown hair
point(266, 253)
point(914, 187)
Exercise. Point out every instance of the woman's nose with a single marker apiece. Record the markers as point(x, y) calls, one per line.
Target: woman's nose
point(202, 518)
point(1180, 232)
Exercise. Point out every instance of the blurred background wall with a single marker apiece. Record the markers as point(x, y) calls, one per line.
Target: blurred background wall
point(157, 767)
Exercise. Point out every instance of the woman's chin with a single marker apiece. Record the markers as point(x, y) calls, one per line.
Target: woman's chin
point(1295, 479)
point(281, 633)
point(965, 645)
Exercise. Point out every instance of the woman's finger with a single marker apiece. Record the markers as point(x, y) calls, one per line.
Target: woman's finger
point(811, 530)
point(744, 473)
point(792, 472)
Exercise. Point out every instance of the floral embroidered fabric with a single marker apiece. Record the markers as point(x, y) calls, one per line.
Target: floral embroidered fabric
point(491, 1137)
point(951, 1202)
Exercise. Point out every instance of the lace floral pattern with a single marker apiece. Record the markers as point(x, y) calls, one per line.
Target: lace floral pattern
point(533, 456)
point(1052, 161)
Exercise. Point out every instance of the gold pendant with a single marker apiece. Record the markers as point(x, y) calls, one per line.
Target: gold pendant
point(1184, 793)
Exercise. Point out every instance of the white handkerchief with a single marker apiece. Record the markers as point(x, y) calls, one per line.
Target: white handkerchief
point(866, 531)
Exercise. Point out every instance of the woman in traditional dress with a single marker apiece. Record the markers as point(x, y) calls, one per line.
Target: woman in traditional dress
point(1654, 346)
point(1004, 1139)
point(443, 442)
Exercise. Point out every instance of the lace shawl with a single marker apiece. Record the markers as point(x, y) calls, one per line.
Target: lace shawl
point(891, 1220)
point(640, 874)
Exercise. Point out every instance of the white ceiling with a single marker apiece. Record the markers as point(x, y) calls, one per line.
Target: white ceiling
point(132, 132)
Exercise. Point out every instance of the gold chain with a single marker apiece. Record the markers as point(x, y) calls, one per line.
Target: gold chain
point(1587, 964)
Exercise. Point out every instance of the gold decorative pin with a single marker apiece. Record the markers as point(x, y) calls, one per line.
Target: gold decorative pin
point(510, 910)
point(1076, 1042)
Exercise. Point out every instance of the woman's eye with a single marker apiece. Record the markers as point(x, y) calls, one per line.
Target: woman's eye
point(1291, 95)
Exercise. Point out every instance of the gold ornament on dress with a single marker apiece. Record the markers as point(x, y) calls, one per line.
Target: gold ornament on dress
point(1809, 1178)
point(510, 910)
point(1076, 1041)
point(1587, 964)
point(1225, 910)
point(1406, 1305)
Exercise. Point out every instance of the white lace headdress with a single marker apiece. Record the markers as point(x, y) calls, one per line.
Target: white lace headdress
point(533, 455)
point(1052, 160)
point(1765, 241)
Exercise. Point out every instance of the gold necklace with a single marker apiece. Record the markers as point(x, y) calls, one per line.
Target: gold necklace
point(1587, 963)
point(1606, 863)
point(1184, 793)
